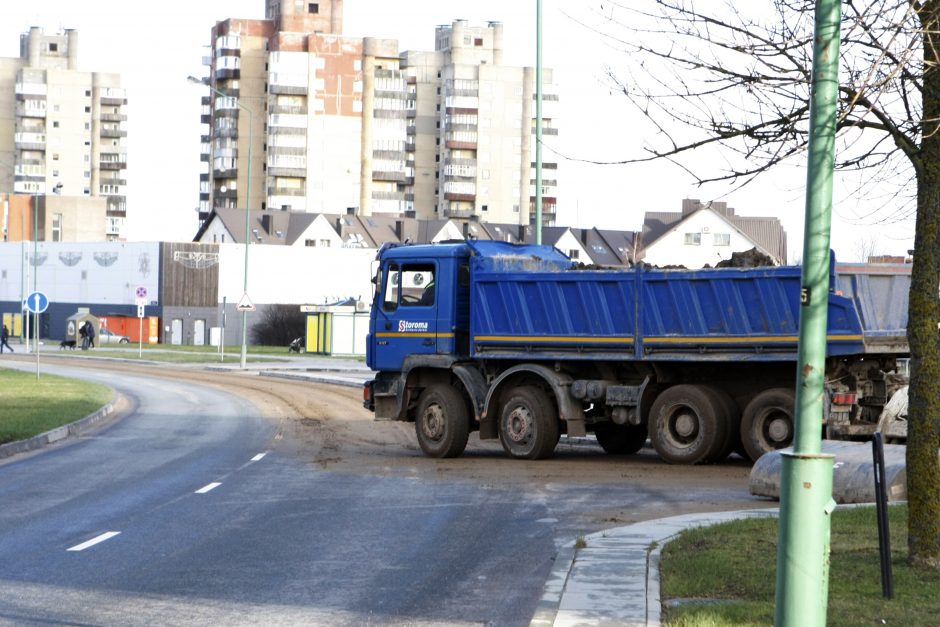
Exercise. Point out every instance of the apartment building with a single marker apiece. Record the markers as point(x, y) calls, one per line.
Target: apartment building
point(302, 118)
point(62, 132)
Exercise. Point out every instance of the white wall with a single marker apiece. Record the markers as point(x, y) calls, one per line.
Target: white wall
point(671, 249)
point(98, 272)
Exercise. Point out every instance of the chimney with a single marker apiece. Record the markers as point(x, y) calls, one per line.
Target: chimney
point(584, 236)
point(400, 230)
point(690, 205)
point(522, 229)
point(267, 223)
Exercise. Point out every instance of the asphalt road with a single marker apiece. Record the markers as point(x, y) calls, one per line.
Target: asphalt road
point(182, 513)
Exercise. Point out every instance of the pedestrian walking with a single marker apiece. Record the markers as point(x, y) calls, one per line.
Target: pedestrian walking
point(83, 333)
point(4, 336)
point(91, 334)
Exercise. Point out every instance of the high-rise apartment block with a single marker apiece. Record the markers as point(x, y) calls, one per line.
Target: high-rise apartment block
point(62, 130)
point(313, 121)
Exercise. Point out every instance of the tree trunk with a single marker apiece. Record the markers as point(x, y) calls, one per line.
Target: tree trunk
point(923, 434)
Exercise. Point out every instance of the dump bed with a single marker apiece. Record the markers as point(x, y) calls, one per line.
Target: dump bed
point(534, 300)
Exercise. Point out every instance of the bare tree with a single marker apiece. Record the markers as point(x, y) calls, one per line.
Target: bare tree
point(732, 79)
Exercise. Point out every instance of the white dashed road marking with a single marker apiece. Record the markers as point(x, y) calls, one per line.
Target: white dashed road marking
point(258, 457)
point(211, 486)
point(84, 545)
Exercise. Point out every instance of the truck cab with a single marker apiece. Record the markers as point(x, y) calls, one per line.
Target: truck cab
point(421, 305)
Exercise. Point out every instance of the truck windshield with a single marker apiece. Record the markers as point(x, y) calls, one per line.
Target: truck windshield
point(409, 285)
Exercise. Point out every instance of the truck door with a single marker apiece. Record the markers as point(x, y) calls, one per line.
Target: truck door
point(406, 318)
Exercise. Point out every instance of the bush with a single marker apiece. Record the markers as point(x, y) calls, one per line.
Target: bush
point(279, 325)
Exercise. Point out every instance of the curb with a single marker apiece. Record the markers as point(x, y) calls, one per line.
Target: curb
point(58, 434)
point(312, 378)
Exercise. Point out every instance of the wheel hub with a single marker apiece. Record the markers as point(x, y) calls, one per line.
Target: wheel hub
point(778, 429)
point(434, 422)
point(519, 425)
point(685, 425)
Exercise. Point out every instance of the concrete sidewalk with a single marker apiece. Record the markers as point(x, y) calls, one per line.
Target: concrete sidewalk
point(614, 579)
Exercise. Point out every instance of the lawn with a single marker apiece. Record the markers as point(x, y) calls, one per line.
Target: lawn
point(726, 574)
point(32, 406)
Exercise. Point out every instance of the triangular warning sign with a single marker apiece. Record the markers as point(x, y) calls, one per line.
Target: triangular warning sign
point(244, 304)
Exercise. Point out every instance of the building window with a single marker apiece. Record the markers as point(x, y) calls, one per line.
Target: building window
point(721, 239)
point(573, 254)
point(693, 239)
point(478, 41)
point(313, 7)
point(55, 124)
point(56, 227)
point(87, 109)
point(53, 47)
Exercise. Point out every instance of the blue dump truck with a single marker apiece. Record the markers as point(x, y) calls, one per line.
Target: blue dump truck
point(522, 344)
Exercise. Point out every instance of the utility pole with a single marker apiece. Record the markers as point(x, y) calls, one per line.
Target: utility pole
point(806, 504)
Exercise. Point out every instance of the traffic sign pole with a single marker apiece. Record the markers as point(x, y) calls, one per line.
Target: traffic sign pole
point(36, 302)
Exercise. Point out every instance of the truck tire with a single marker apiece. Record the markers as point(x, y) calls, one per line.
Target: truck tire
point(767, 422)
point(732, 417)
point(441, 422)
point(620, 439)
point(685, 425)
point(528, 424)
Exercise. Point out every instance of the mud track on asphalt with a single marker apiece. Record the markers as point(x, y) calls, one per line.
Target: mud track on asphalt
point(326, 426)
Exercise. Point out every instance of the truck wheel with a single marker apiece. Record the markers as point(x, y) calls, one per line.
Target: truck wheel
point(685, 425)
point(732, 417)
point(767, 423)
point(620, 439)
point(528, 424)
point(441, 422)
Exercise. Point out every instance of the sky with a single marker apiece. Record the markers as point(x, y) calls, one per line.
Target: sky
point(156, 45)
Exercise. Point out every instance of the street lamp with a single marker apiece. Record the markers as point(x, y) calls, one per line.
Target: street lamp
point(57, 189)
point(193, 79)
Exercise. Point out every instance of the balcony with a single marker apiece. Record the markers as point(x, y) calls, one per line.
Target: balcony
point(387, 175)
point(113, 165)
point(278, 150)
point(287, 90)
point(31, 109)
point(454, 127)
point(388, 154)
point(458, 213)
point(459, 197)
point(113, 132)
point(225, 73)
point(294, 173)
point(454, 144)
point(287, 130)
point(30, 141)
point(113, 100)
point(230, 133)
point(38, 90)
point(113, 117)
point(288, 109)
point(389, 114)
point(287, 191)
point(382, 195)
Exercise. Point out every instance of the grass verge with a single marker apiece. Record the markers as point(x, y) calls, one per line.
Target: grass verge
point(32, 406)
point(726, 574)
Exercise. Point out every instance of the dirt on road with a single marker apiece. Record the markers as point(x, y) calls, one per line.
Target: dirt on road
point(327, 426)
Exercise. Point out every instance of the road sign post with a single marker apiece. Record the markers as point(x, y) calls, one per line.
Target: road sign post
point(36, 303)
point(141, 303)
